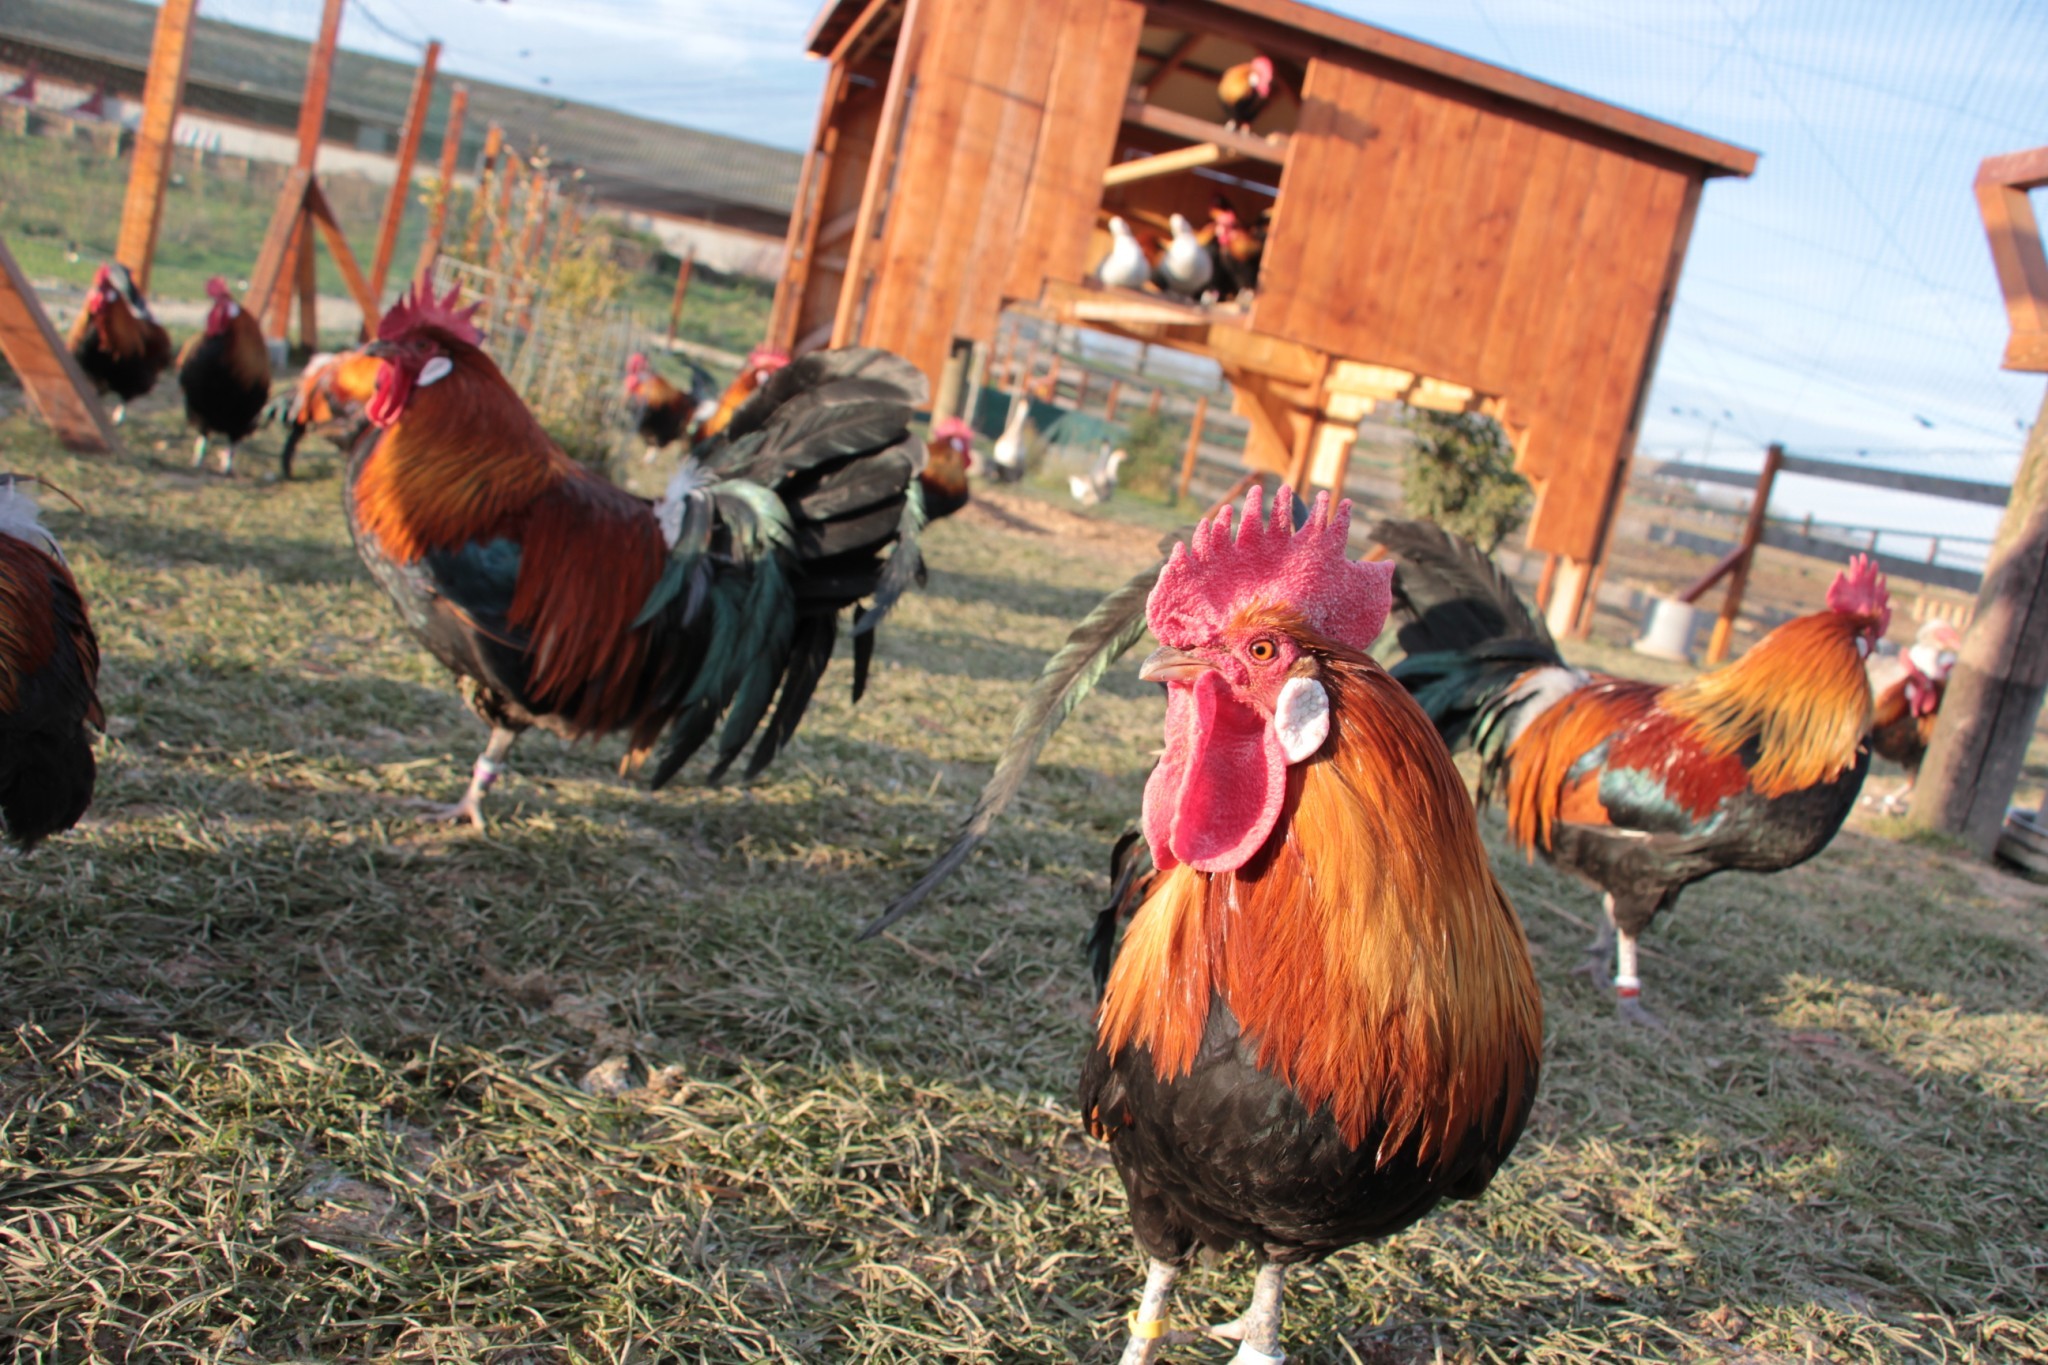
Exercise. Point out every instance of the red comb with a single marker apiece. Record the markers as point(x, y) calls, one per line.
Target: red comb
point(766, 358)
point(952, 429)
point(635, 363)
point(1859, 590)
point(418, 310)
point(218, 287)
point(1214, 575)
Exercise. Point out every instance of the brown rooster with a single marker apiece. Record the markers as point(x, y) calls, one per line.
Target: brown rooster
point(565, 602)
point(762, 362)
point(329, 400)
point(664, 411)
point(225, 373)
point(1641, 789)
point(1244, 91)
point(49, 676)
point(117, 341)
point(948, 456)
point(1908, 704)
point(1323, 1020)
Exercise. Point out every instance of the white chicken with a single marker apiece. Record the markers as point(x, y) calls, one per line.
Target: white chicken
point(1185, 267)
point(1126, 266)
point(1009, 452)
point(1099, 483)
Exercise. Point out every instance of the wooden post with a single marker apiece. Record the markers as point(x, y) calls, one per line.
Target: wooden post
point(846, 317)
point(277, 307)
point(142, 212)
point(56, 387)
point(451, 150)
point(479, 204)
point(1187, 459)
point(309, 292)
point(675, 304)
point(1546, 582)
point(319, 74)
point(1116, 391)
point(1738, 576)
point(401, 188)
point(1081, 391)
point(1994, 694)
point(501, 225)
point(1152, 403)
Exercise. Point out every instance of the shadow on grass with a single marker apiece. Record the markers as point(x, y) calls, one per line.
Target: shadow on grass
point(129, 539)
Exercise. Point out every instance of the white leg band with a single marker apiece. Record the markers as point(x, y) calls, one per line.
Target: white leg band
point(1249, 1355)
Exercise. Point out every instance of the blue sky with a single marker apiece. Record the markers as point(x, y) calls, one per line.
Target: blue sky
point(1840, 300)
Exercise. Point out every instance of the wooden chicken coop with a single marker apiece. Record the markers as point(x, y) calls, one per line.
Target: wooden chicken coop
point(1441, 231)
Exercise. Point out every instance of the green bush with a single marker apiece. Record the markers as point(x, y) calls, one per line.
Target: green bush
point(1152, 450)
point(1461, 475)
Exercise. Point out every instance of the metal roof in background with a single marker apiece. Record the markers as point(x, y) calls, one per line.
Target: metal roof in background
point(257, 77)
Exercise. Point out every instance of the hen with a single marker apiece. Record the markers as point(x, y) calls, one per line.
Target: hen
point(225, 373)
point(117, 341)
point(1908, 704)
point(565, 602)
point(661, 411)
point(1640, 789)
point(761, 364)
point(948, 456)
point(1244, 91)
point(49, 679)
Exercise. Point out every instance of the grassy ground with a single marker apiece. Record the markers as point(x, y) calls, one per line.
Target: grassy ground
point(288, 1076)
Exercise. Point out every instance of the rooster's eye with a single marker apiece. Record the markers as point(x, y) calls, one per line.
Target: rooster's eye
point(1262, 651)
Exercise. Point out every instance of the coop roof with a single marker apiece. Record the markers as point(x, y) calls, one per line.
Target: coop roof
point(1210, 35)
point(258, 77)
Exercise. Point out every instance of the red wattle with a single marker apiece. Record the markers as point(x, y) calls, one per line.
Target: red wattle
point(394, 390)
point(1218, 789)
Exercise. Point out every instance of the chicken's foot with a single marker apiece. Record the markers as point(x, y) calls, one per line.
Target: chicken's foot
point(120, 413)
point(490, 766)
point(1258, 1341)
point(1148, 1324)
point(227, 461)
point(1628, 987)
point(199, 452)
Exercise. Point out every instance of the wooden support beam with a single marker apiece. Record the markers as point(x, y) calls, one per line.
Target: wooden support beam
point(451, 150)
point(1738, 574)
point(319, 74)
point(142, 211)
point(401, 188)
point(853, 287)
point(1194, 447)
point(273, 257)
point(56, 387)
point(1169, 163)
point(318, 212)
point(2016, 252)
point(1271, 149)
point(276, 309)
point(307, 268)
point(1168, 64)
point(1994, 695)
point(675, 304)
point(480, 203)
point(1116, 391)
point(802, 241)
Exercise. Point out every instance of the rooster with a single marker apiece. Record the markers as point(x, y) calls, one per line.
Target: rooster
point(329, 399)
point(1641, 789)
point(49, 676)
point(1322, 1020)
point(1244, 90)
point(117, 341)
point(225, 373)
point(662, 412)
point(762, 363)
point(948, 456)
point(1908, 702)
point(563, 601)
point(1237, 249)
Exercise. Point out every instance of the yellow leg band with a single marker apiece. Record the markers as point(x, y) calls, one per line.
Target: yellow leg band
point(1146, 1331)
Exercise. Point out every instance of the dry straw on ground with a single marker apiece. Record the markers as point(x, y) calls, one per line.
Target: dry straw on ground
point(287, 1076)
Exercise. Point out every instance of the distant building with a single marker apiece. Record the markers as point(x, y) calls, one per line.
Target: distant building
point(728, 199)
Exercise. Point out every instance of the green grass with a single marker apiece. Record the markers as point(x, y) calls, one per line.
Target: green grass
point(288, 1076)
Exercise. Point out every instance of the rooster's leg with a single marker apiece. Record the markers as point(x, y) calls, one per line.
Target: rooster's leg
point(1258, 1332)
point(199, 451)
point(1628, 987)
point(1594, 964)
point(490, 766)
point(227, 459)
point(1148, 1324)
point(120, 413)
point(1896, 803)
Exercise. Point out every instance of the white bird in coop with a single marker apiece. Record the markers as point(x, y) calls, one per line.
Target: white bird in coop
point(1096, 486)
point(1126, 266)
point(1186, 266)
point(1009, 452)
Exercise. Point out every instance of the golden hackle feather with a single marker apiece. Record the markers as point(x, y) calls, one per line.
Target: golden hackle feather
point(1366, 950)
point(1800, 693)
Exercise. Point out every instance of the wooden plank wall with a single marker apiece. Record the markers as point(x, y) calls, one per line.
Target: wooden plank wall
point(1487, 246)
point(1011, 125)
point(858, 117)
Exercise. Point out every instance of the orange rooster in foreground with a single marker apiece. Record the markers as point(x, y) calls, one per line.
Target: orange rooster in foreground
point(565, 602)
point(762, 362)
point(948, 456)
point(1323, 1020)
point(225, 373)
point(117, 341)
point(1641, 789)
point(329, 400)
point(49, 676)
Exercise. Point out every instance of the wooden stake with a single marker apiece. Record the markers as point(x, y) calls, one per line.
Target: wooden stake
point(309, 293)
point(479, 204)
point(56, 387)
point(1116, 391)
point(501, 225)
point(142, 212)
point(1738, 573)
point(675, 305)
point(1187, 459)
point(401, 188)
point(319, 74)
point(1994, 694)
point(451, 149)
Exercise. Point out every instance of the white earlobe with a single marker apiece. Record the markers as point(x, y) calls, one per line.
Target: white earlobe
point(434, 369)
point(1302, 718)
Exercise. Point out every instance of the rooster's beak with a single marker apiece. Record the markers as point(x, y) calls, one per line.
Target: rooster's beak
point(1167, 664)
